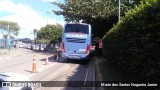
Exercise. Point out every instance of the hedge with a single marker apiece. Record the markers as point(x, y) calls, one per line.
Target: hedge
point(133, 45)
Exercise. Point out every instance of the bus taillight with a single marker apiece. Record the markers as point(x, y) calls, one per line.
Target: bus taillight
point(63, 49)
point(87, 49)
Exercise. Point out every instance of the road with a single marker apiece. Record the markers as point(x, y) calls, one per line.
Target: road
point(73, 73)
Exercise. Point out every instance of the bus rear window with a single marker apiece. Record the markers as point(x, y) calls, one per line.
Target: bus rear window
point(77, 28)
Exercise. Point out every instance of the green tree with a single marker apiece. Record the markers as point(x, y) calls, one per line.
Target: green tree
point(133, 45)
point(101, 14)
point(9, 29)
point(49, 33)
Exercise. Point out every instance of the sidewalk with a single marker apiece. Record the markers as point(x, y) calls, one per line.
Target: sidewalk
point(105, 71)
point(5, 54)
point(98, 73)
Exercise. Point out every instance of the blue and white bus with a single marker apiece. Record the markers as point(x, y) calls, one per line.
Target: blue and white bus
point(76, 41)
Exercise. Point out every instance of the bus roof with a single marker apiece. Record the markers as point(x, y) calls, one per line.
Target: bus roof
point(77, 23)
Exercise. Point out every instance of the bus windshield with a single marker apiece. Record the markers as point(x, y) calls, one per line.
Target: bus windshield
point(76, 28)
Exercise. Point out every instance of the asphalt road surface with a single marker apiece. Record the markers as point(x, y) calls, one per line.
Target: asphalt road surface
point(58, 75)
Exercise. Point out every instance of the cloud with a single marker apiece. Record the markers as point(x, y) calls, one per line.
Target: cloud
point(27, 18)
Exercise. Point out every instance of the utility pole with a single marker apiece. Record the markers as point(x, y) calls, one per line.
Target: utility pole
point(47, 16)
point(119, 11)
point(8, 35)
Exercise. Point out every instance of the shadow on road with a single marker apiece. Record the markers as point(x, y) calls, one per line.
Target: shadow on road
point(76, 80)
point(28, 71)
point(82, 79)
point(55, 57)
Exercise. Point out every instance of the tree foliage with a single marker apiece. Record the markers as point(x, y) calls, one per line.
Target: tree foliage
point(133, 45)
point(101, 14)
point(9, 28)
point(49, 33)
point(75, 10)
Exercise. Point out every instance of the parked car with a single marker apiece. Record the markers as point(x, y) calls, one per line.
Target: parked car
point(25, 45)
point(37, 47)
point(32, 46)
point(21, 45)
point(43, 46)
point(28, 46)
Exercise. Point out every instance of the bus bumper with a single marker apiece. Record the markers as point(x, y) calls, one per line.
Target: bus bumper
point(75, 56)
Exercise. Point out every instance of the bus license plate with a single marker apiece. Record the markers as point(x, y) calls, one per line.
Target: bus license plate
point(74, 56)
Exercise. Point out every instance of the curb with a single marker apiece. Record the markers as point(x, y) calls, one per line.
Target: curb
point(94, 74)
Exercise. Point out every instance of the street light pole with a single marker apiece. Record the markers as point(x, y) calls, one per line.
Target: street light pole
point(8, 35)
point(8, 32)
point(47, 16)
point(119, 11)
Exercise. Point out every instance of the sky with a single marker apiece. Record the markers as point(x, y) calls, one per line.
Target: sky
point(29, 14)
